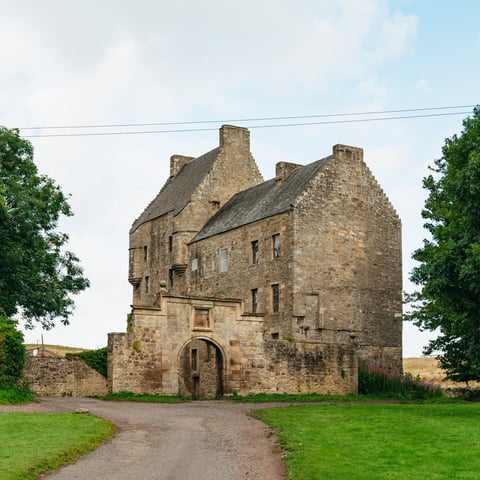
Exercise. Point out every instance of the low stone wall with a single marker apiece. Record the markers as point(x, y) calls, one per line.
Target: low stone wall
point(62, 377)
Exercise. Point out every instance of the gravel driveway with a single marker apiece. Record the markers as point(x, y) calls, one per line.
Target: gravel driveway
point(199, 440)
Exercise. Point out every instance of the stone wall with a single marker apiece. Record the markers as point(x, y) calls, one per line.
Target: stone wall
point(158, 248)
point(61, 377)
point(167, 352)
point(243, 275)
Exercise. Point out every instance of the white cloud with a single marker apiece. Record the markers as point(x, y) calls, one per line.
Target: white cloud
point(118, 61)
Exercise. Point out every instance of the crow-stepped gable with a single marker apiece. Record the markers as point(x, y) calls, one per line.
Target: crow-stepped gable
point(244, 285)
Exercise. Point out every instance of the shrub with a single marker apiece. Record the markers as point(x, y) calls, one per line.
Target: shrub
point(376, 381)
point(96, 359)
point(13, 354)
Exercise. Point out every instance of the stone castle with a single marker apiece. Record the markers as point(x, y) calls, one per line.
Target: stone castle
point(248, 286)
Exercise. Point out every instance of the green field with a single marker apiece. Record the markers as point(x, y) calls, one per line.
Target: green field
point(378, 441)
point(33, 443)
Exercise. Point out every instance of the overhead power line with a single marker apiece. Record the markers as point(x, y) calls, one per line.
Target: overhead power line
point(414, 114)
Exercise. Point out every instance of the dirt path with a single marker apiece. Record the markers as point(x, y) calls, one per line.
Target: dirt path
point(212, 440)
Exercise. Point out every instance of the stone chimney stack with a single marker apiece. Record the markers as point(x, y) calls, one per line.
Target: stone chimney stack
point(284, 169)
point(345, 152)
point(234, 138)
point(177, 162)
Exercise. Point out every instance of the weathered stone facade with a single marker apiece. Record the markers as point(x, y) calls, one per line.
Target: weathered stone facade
point(251, 286)
point(64, 377)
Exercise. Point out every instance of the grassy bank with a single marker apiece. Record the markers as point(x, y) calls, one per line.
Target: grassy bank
point(378, 441)
point(32, 443)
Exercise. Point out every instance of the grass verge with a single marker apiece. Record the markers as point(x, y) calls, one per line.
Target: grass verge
point(377, 441)
point(34, 443)
point(141, 397)
point(15, 396)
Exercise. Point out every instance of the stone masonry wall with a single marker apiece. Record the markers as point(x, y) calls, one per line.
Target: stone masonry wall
point(160, 244)
point(61, 377)
point(152, 357)
point(243, 275)
point(347, 273)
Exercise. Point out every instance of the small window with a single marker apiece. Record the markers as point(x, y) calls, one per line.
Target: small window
point(194, 264)
point(147, 284)
point(194, 359)
point(145, 253)
point(276, 245)
point(254, 300)
point(215, 205)
point(275, 297)
point(201, 318)
point(223, 260)
point(255, 251)
point(170, 243)
point(171, 278)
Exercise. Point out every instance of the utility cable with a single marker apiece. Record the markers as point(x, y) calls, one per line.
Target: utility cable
point(275, 125)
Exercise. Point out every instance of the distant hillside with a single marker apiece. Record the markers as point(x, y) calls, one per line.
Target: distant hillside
point(58, 349)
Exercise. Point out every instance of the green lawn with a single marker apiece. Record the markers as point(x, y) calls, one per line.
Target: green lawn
point(32, 443)
point(370, 441)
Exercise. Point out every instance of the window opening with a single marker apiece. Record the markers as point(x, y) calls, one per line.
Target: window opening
point(170, 243)
point(276, 245)
point(194, 360)
point(147, 284)
point(194, 264)
point(145, 253)
point(275, 297)
point(254, 300)
point(171, 278)
point(223, 260)
point(255, 251)
point(215, 205)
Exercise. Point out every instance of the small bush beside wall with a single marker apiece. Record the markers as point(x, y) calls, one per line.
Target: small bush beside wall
point(96, 359)
point(375, 381)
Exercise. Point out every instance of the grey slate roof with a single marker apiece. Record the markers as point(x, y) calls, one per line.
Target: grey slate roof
point(261, 201)
point(177, 191)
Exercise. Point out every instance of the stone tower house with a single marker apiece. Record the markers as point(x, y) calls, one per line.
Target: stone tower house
point(244, 285)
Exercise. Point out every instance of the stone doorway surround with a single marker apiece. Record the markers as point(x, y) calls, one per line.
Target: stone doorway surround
point(201, 370)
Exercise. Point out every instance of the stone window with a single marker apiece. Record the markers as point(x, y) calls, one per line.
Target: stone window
point(147, 284)
point(223, 260)
point(194, 360)
point(276, 245)
point(170, 243)
point(275, 297)
point(201, 318)
point(194, 264)
point(215, 205)
point(171, 278)
point(255, 251)
point(254, 300)
point(145, 253)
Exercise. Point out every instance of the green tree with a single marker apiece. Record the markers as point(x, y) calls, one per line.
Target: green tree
point(449, 268)
point(12, 353)
point(37, 276)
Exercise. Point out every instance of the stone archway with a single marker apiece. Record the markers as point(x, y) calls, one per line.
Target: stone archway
point(201, 370)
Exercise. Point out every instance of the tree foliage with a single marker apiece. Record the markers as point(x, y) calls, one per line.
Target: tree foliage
point(12, 353)
point(449, 268)
point(37, 276)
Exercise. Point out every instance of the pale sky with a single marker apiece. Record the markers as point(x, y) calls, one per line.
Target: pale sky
point(65, 63)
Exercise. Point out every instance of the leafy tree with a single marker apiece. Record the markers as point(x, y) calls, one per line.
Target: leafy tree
point(36, 275)
point(449, 269)
point(12, 353)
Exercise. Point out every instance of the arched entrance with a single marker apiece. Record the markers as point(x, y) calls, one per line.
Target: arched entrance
point(201, 370)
